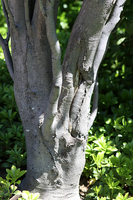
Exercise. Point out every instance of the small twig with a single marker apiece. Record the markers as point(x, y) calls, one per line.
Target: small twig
point(9, 13)
point(7, 20)
point(8, 58)
point(4, 42)
point(15, 197)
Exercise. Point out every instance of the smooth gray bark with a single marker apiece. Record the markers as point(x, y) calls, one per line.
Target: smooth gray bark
point(53, 99)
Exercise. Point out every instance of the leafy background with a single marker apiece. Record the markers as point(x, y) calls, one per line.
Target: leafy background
point(109, 153)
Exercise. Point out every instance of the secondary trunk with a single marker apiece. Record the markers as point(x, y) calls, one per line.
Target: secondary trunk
point(53, 99)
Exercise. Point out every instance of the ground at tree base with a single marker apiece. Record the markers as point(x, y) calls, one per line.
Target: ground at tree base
point(83, 187)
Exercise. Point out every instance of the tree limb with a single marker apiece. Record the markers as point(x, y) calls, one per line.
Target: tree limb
point(4, 42)
point(48, 12)
point(7, 20)
point(78, 60)
point(8, 58)
point(90, 51)
point(107, 29)
point(101, 50)
point(9, 13)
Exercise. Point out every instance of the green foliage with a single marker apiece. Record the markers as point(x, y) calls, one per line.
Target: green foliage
point(16, 156)
point(8, 186)
point(3, 30)
point(26, 195)
point(67, 14)
point(12, 139)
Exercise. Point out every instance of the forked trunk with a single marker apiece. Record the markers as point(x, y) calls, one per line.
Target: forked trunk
point(53, 99)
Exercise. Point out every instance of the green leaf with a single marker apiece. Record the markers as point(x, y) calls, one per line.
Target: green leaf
point(121, 40)
point(100, 156)
point(13, 188)
point(108, 121)
point(14, 174)
point(17, 192)
point(29, 196)
point(5, 165)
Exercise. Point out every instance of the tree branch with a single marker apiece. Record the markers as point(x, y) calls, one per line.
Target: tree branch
point(78, 60)
point(107, 29)
point(4, 42)
point(113, 19)
point(9, 13)
point(85, 51)
point(7, 20)
point(48, 12)
point(8, 58)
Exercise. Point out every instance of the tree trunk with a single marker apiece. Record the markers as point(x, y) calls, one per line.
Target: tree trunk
point(53, 99)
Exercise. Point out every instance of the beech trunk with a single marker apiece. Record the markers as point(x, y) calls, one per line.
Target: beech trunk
point(54, 99)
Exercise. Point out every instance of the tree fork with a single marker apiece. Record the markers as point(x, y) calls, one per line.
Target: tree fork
point(53, 99)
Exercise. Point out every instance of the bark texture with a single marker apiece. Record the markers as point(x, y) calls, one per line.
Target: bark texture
point(53, 99)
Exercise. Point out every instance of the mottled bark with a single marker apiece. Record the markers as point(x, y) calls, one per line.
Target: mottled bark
point(53, 99)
